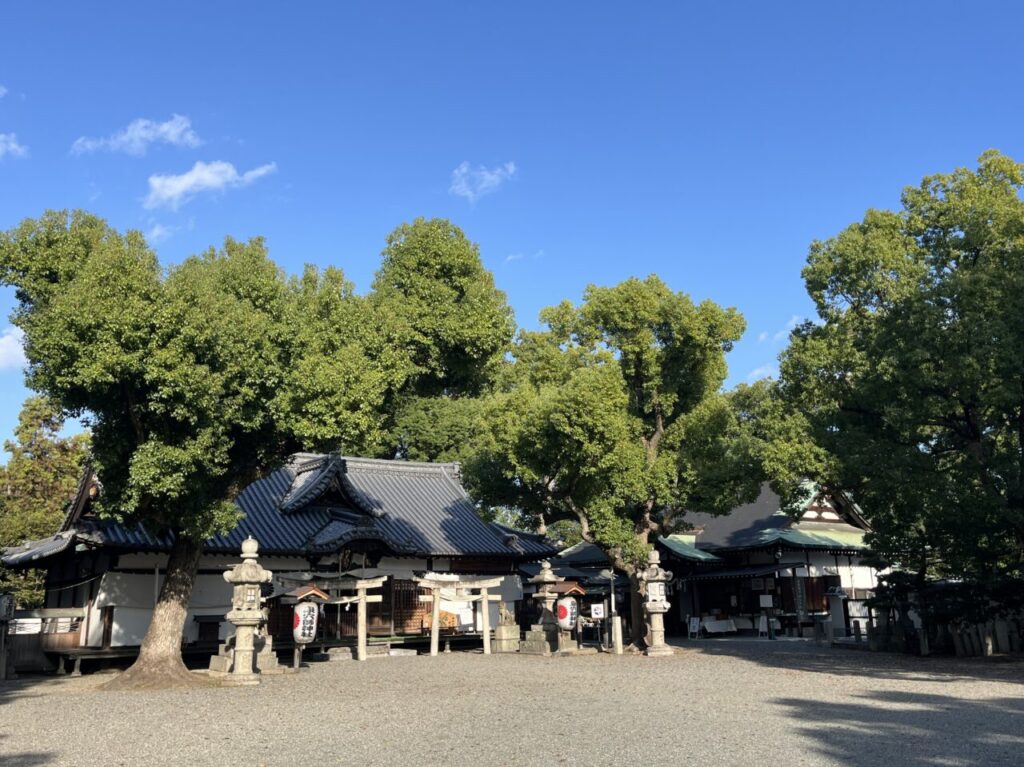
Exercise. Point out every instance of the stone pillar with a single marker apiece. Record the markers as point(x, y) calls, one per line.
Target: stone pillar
point(361, 624)
point(656, 604)
point(485, 620)
point(435, 620)
point(246, 614)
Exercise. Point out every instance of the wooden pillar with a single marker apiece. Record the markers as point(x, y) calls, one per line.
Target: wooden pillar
point(485, 620)
point(435, 620)
point(361, 625)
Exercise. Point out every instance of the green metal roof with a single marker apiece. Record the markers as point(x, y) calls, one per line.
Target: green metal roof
point(682, 546)
point(807, 539)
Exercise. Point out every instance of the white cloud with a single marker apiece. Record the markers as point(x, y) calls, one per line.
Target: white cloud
point(519, 256)
point(174, 191)
point(158, 233)
point(9, 146)
point(473, 183)
point(3, 91)
point(783, 334)
point(12, 350)
point(140, 133)
point(762, 337)
point(764, 371)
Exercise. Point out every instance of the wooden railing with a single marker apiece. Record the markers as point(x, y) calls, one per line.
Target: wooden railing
point(48, 629)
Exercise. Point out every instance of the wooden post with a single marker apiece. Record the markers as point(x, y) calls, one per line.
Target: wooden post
point(361, 625)
point(435, 620)
point(485, 620)
point(3, 649)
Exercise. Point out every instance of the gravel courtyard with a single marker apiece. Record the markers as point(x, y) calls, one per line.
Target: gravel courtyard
point(724, 702)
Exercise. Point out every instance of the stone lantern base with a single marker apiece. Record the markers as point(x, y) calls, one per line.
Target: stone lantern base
point(266, 658)
point(659, 650)
point(540, 640)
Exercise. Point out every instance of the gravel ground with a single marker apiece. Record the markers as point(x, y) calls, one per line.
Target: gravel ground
point(717, 702)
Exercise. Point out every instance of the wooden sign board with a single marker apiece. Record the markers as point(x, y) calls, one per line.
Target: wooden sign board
point(694, 626)
point(767, 600)
point(597, 611)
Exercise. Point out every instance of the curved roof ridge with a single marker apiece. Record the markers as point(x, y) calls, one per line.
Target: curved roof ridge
point(398, 465)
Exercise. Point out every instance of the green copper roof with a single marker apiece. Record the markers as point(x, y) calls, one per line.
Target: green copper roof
point(825, 539)
point(682, 546)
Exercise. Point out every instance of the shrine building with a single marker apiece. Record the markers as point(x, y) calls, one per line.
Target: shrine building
point(328, 520)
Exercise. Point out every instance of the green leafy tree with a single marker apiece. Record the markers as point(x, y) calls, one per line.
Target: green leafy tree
point(39, 481)
point(615, 419)
point(911, 386)
point(344, 366)
point(455, 324)
point(174, 371)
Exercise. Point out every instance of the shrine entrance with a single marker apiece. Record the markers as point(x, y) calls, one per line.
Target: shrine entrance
point(462, 586)
point(361, 598)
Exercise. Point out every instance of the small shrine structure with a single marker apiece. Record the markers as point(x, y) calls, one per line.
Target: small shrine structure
point(464, 586)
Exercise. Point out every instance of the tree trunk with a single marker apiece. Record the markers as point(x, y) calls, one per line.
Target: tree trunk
point(636, 602)
point(637, 629)
point(159, 663)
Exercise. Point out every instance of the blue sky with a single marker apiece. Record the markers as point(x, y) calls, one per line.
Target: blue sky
point(575, 142)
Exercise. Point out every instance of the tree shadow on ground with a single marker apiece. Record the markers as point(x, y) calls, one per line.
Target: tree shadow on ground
point(23, 687)
point(19, 689)
point(815, 658)
point(911, 729)
point(26, 759)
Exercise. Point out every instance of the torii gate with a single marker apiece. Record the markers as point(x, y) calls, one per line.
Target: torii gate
point(437, 581)
point(361, 598)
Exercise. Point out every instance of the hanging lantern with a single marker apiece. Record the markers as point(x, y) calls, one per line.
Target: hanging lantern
point(304, 625)
point(566, 612)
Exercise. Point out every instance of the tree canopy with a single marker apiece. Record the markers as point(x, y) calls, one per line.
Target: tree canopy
point(173, 369)
point(911, 386)
point(613, 413)
point(455, 324)
point(39, 481)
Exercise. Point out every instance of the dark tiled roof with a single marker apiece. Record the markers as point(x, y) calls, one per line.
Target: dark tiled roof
point(581, 554)
point(411, 508)
point(753, 525)
point(532, 544)
point(33, 551)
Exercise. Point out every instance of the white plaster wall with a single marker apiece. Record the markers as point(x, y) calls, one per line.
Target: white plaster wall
point(129, 626)
point(399, 568)
point(858, 577)
point(132, 597)
point(147, 561)
point(94, 619)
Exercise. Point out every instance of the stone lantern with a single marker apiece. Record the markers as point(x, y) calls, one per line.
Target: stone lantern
point(656, 604)
point(542, 638)
point(246, 613)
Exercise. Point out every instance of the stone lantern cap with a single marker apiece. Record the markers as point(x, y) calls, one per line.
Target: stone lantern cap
point(654, 570)
point(546, 575)
point(249, 571)
point(249, 548)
